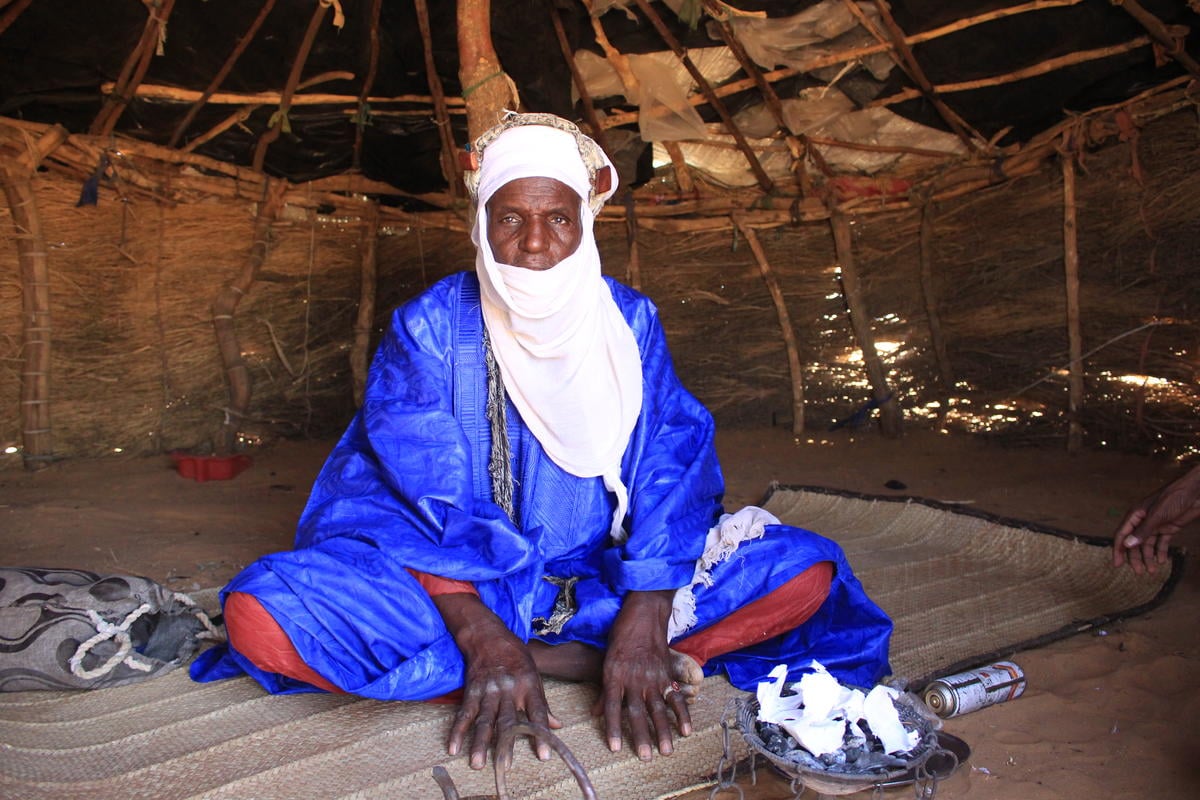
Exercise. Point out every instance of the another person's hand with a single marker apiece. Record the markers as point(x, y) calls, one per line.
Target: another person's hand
point(638, 680)
point(1144, 536)
point(502, 684)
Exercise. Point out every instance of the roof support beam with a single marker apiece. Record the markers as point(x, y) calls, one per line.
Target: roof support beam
point(222, 73)
point(11, 15)
point(157, 12)
point(450, 169)
point(589, 108)
point(795, 368)
point(764, 181)
point(279, 120)
point(243, 113)
point(852, 54)
point(1043, 68)
point(1171, 38)
point(798, 146)
point(907, 62)
point(174, 94)
point(362, 110)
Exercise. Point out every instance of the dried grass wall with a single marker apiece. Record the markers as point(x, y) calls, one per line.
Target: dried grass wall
point(135, 364)
point(999, 279)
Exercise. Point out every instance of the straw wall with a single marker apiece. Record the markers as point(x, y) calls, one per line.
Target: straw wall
point(135, 364)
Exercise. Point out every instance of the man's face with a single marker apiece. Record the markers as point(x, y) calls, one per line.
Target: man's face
point(533, 223)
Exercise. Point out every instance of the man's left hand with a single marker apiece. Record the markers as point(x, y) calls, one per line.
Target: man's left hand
point(638, 680)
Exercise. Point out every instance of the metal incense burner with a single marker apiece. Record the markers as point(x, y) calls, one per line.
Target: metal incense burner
point(935, 757)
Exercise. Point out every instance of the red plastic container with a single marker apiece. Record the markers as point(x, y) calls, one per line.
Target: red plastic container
point(210, 468)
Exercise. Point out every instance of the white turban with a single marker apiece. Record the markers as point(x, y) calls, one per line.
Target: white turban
point(569, 360)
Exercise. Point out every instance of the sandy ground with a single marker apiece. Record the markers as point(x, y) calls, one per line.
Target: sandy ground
point(1104, 715)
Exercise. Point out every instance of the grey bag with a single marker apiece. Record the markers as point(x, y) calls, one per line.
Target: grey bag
point(71, 629)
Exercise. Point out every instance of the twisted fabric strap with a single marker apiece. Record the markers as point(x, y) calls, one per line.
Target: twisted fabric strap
point(500, 457)
point(106, 630)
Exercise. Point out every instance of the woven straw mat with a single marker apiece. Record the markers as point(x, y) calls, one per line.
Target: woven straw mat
point(961, 587)
point(964, 587)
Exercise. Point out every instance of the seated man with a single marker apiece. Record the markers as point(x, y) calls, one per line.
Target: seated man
point(529, 491)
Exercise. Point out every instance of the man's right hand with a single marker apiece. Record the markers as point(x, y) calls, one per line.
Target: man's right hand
point(502, 681)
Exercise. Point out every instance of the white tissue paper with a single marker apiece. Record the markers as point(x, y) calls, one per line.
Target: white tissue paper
point(879, 709)
point(823, 716)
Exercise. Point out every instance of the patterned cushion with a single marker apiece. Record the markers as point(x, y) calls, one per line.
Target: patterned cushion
point(71, 629)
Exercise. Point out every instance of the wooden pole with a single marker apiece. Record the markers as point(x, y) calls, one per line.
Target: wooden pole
point(361, 112)
point(174, 94)
point(285, 99)
point(1074, 336)
point(450, 169)
point(11, 15)
point(157, 13)
point(929, 295)
point(785, 323)
point(908, 63)
point(243, 113)
point(860, 319)
point(1171, 38)
point(37, 445)
point(222, 73)
point(683, 175)
point(618, 60)
point(17, 177)
point(486, 89)
point(855, 53)
point(365, 321)
point(236, 372)
point(236, 118)
point(631, 233)
point(764, 181)
point(585, 98)
point(796, 146)
point(1043, 68)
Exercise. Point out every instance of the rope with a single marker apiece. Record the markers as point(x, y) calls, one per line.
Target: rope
point(211, 631)
point(106, 630)
point(468, 90)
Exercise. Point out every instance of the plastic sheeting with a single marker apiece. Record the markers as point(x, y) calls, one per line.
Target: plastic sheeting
point(813, 33)
point(665, 115)
point(663, 88)
point(829, 114)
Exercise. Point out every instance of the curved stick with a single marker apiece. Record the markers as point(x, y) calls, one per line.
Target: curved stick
point(443, 779)
point(504, 755)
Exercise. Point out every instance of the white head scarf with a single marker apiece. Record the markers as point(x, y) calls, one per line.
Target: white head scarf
point(569, 360)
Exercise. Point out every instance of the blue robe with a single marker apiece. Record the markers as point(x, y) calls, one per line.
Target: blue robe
point(408, 486)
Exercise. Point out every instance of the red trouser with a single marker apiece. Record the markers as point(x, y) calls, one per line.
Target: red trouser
point(255, 634)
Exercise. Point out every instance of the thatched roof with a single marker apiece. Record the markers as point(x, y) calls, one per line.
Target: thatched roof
point(929, 166)
point(791, 98)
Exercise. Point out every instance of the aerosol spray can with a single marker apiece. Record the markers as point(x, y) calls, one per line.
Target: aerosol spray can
point(970, 691)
